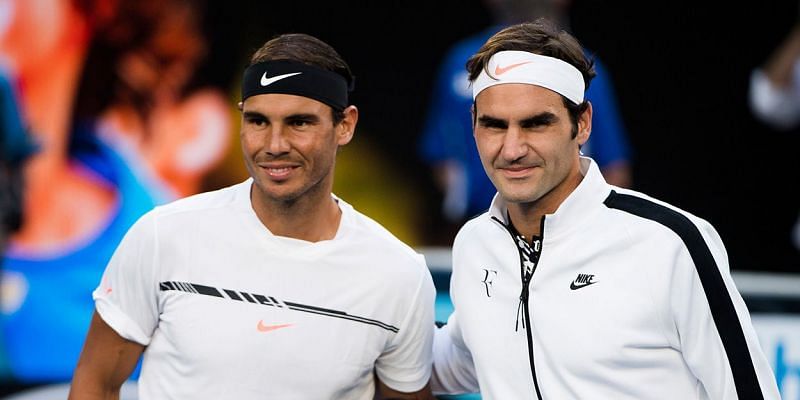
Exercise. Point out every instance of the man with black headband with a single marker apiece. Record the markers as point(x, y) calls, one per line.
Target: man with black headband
point(568, 287)
point(273, 288)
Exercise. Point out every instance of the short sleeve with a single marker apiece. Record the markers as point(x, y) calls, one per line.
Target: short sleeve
point(126, 298)
point(406, 364)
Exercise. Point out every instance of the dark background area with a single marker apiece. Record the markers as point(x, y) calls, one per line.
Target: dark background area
point(680, 70)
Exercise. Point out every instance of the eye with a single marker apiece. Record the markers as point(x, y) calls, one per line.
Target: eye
point(539, 122)
point(299, 123)
point(255, 121)
point(493, 124)
point(530, 124)
point(302, 122)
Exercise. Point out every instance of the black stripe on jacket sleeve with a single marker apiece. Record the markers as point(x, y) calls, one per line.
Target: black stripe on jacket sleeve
point(722, 309)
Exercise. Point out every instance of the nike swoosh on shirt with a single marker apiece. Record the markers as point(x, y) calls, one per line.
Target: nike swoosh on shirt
point(268, 81)
point(498, 70)
point(267, 328)
point(573, 286)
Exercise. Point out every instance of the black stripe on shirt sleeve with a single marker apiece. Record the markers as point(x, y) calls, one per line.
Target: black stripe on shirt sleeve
point(719, 300)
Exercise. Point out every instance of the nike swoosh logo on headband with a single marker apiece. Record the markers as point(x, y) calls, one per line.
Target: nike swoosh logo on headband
point(268, 81)
point(498, 70)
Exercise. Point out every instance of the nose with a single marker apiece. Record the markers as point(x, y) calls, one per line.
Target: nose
point(514, 145)
point(277, 142)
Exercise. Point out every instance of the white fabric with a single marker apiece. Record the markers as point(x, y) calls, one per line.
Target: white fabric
point(643, 330)
point(60, 391)
point(534, 69)
point(207, 347)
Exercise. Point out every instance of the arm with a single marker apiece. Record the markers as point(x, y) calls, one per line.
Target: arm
point(715, 334)
point(126, 314)
point(404, 367)
point(387, 393)
point(106, 361)
point(453, 368)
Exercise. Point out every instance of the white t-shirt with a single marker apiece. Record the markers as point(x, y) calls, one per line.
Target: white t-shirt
point(229, 310)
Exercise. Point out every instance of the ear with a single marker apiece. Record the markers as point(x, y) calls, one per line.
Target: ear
point(346, 128)
point(585, 125)
point(472, 112)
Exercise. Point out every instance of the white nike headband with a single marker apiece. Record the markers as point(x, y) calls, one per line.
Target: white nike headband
point(292, 77)
point(534, 69)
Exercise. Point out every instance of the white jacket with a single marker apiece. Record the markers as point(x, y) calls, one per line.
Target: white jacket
point(631, 298)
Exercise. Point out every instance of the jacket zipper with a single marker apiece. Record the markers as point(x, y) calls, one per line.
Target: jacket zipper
point(529, 260)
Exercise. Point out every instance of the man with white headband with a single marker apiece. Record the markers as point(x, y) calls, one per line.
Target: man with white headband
point(568, 287)
point(273, 288)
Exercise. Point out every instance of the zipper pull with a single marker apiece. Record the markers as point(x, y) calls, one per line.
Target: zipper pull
point(523, 299)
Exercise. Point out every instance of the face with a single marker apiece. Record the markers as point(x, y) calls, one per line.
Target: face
point(289, 145)
point(524, 138)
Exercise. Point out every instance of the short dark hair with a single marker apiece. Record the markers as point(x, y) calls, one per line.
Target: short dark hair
point(308, 50)
point(539, 37)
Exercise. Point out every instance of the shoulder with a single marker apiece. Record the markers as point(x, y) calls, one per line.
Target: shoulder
point(191, 207)
point(638, 211)
point(399, 271)
point(371, 233)
point(476, 230)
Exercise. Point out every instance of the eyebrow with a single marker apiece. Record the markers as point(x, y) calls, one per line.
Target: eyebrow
point(253, 114)
point(544, 118)
point(485, 120)
point(292, 117)
point(303, 117)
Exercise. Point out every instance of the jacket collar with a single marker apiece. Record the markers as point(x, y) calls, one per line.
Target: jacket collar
point(575, 209)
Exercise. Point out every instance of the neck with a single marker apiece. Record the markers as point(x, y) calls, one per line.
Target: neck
point(310, 218)
point(527, 217)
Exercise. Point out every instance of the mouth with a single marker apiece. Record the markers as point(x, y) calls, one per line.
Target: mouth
point(517, 172)
point(278, 172)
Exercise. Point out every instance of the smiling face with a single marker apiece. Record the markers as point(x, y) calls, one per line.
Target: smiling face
point(524, 138)
point(289, 144)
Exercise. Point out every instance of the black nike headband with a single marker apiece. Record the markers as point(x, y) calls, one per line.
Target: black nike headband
point(292, 77)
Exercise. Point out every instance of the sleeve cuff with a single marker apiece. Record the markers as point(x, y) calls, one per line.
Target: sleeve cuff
point(118, 320)
point(412, 380)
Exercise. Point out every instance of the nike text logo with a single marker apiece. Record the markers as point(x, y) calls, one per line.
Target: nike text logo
point(267, 328)
point(268, 81)
point(582, 281)
point(498, 70)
